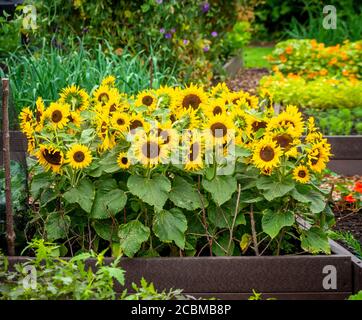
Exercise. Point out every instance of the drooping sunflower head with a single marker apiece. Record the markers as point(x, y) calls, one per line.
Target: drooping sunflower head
point(166, 96)
point(50, 157)
point(123, 161)
point(57, 114)
point(148, 99)
point(76, 98)
point(79, 156)
point(266, 154)
point(214, 107)
point(186, 118)
point(194, 147)
point(301, 174)
point(318, 157)
point(39, 114)
point(254, 124)
point(219, 128)
point(27, 121)
point(75, 118)
point(191, 98)
point(109, 81)
point(220, 89)
point(239, 117)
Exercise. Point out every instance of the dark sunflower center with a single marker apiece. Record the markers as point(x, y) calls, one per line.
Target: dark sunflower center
point(103, 97)
point(135, 124)
point(79, 156)
point(57, 116)
point(258, 125)
point(112, 108)
point(124, 160)
point(218, 129)
point(120, 121)
point(302, 174)
point(194, 151)
point(52, 157)
point(147, 100)
point(151, 150)
point(38, 116)
point(165, 136)
point(235, 100)
point(315, 160)
point(217, 110)
point(191, 100)
point(288, 122)
point(267, 154)
point(173, 118)
point(284, 140)
point(28, 118)
point(103, 129)
point(70, 118)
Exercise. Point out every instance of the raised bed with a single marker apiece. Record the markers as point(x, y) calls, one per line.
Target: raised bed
point(282, 277)
point(346, 150)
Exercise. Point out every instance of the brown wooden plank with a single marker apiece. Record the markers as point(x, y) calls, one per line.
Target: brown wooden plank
point(236, 274)
point(346, 147)
point(18, 142)
point(275, 295)
point(346, 167)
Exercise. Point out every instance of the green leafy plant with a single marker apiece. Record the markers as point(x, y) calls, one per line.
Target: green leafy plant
point(357, 296)
point(48, 277)
point(349, 240)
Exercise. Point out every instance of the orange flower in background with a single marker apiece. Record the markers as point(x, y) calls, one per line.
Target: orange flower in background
point(289, 50)
point(323, 72)
point(345, 72)
point(350, 198)
point(358, 186)
point(282, 58)
point(333, 61)
point(313, 43)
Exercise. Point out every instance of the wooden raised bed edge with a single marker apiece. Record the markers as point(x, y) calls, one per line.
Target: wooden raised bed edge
point(281, 277)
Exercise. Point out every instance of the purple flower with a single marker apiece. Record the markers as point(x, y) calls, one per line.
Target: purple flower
point(173, 30)
point(159, 1)
point(185, 42)
point(206, 48)
point(214, 34)
point(205, 7)
point(162, 30)
point(168, 35)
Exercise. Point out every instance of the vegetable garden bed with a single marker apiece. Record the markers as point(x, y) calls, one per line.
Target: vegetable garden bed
point(298, 277)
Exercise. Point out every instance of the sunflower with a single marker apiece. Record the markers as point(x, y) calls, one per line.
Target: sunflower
point(215, 107)
point(58, 113)
point(27, 121)
point(79, 156)
point(103, 94)
point(318, 156)
point(266, 154)
point(193, 160)
point(301, 174)
point(248, 101)
point(39, 114)
point(238, 117)
point(219, 89)
point(191, 98)
point(136, 122)
point(187, 118)
point(254, 124)
point(77, 98)
point(75, 118)
point(103, 131)
point(291, 119)
point(109, 81)
point(166, 96)
point(50, 157)
point(219, 128)
point(287, 142)
point(235, 97)
point(149, 151)
point(31, 145)
point(169, 136)
point(123, 161)
point(120, 121)
point(148, 99)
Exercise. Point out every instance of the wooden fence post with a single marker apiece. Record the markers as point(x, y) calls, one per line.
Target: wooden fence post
point(10, 234)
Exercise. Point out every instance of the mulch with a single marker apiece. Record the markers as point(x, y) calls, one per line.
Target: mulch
point(247, 79)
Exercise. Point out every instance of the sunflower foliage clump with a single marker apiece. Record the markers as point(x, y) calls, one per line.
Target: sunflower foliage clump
point(175, 171)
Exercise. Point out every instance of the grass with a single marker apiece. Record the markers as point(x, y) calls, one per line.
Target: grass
point(47, 71)
point(254, 57)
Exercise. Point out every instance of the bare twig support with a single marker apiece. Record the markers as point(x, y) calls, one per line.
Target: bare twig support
point(10, 234)
point(253, 231)
point(234, 219)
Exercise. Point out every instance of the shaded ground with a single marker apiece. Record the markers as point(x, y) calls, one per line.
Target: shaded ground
point(351, 223)
point(247, 79)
